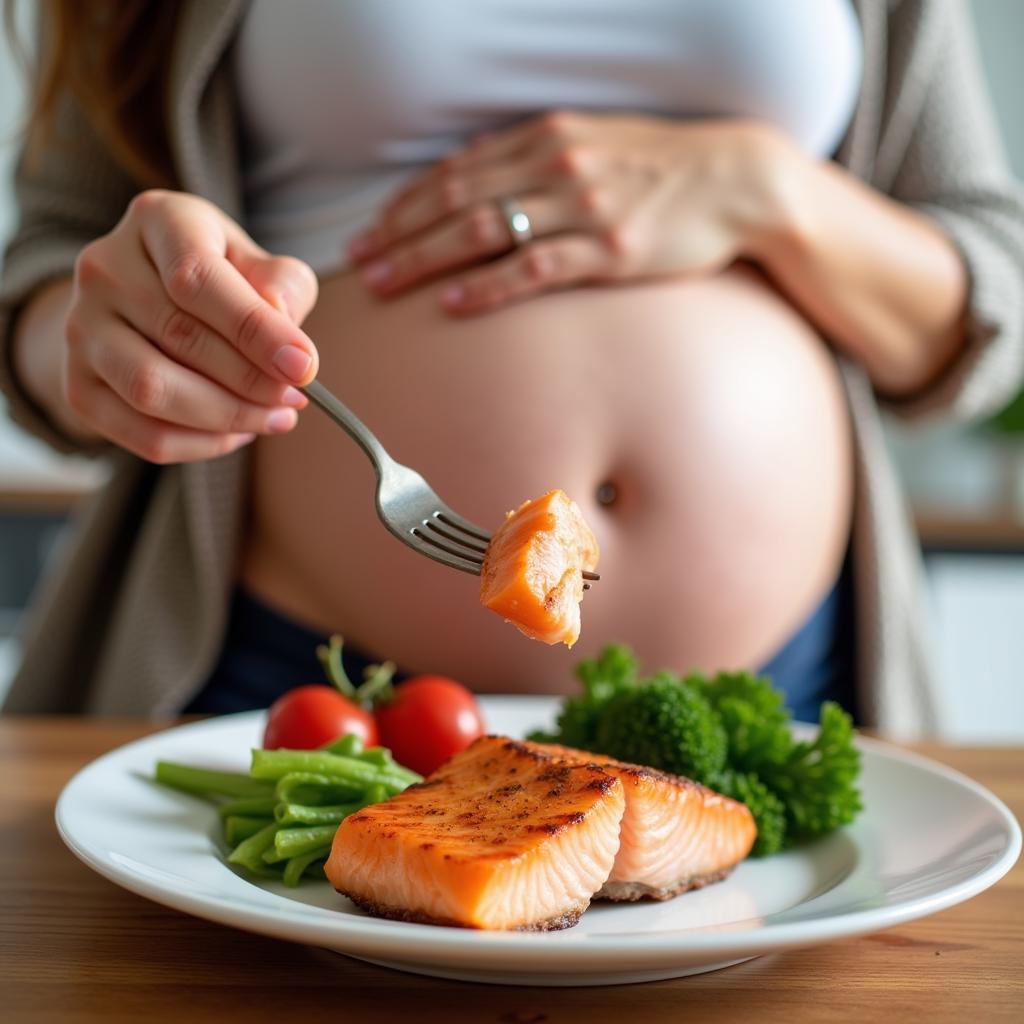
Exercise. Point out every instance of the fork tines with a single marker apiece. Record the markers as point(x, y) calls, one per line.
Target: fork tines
point(444, 533)
point(455, 536)
point(465, 546)
point(450, 519)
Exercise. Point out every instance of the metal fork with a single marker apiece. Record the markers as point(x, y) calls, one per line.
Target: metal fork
point(406, 504)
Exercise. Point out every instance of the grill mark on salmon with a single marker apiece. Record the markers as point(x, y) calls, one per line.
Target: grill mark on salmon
point(517, 835)
point(505, 835)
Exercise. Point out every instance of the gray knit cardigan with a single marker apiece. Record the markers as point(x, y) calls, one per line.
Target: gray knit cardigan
point(131, 616)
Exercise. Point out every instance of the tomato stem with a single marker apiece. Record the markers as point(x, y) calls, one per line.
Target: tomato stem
point(377, 688)
point(330, 658)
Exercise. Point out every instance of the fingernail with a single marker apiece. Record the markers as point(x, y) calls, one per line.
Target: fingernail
point(281, 420)
point(377, 273)
point(296, 399)
point(241, 440)
point(293, 362)
point(453, 295)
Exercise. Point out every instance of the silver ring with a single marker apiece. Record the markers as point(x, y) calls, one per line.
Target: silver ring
point(517, 220)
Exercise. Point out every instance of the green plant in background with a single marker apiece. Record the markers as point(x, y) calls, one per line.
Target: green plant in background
point(1011, 419)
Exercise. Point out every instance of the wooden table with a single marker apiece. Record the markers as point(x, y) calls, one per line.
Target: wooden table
point(74, 947)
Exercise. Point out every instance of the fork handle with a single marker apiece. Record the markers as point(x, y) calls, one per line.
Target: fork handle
point(351, 424)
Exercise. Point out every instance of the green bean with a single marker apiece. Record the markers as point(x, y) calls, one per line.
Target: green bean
point(349, 745)
point(375, 794)
point(380, 756)
point(308, 793)
point(273, 764)
point(300, 814)
point(314, 790)
point(271, 871)
point(249, 807)
point(401, 772)
point(297, 866)
point(238, 827)
point(292, 842)
point(203, 782)
point(249, 852)
point(316, 869)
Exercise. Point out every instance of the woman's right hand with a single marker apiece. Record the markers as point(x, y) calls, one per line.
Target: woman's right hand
point(182, 338)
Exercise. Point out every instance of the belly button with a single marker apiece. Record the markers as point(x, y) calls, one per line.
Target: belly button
point(607, 493)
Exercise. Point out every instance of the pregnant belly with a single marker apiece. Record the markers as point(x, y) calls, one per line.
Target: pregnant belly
point(701, 427)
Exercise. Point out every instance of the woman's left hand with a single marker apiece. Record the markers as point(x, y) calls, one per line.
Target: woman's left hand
point(609, 198)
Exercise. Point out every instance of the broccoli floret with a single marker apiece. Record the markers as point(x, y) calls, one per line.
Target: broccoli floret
point(767, 809)
point(817, 782)
point(753, 715)
point(612, 673)
point(730, 733)
point(666, 724)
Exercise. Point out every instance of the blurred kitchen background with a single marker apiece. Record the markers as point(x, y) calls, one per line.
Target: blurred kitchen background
point(967, 486)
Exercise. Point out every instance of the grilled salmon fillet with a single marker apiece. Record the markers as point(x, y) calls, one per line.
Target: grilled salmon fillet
point(532, 570)
point(675, 834)
point(505, 835)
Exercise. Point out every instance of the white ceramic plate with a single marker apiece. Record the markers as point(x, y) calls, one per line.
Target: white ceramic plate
point(928, 838)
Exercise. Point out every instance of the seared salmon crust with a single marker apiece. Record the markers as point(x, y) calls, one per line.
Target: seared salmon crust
point(521, 836)
point(505, 835)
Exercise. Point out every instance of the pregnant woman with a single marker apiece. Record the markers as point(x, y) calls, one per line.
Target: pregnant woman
point(666, 256)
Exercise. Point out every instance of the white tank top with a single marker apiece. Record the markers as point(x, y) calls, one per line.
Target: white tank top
point(342, 100)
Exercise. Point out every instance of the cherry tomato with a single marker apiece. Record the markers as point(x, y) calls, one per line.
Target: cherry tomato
point(428, 719)
point(310, 716)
